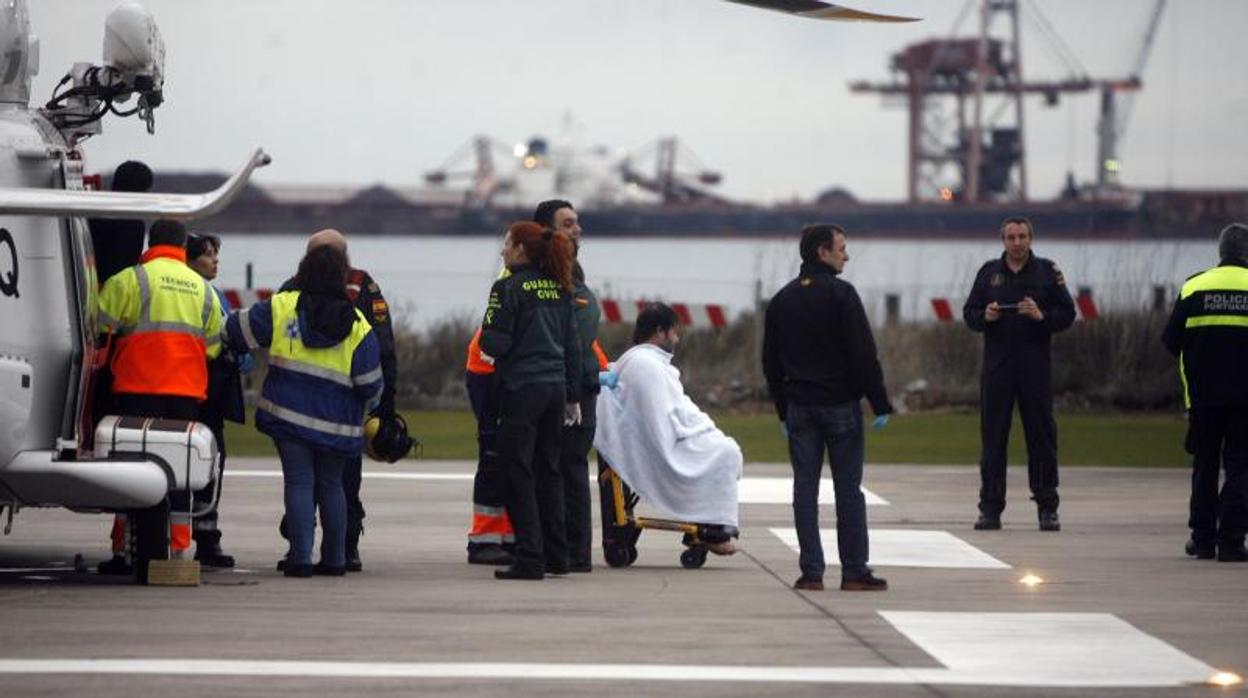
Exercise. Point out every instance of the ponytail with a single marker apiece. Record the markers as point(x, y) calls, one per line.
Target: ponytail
point(552, 250)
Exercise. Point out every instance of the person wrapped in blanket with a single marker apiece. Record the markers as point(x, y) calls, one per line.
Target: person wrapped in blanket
point(663, 445)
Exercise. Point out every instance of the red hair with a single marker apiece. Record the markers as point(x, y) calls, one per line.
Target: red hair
point(551, 250)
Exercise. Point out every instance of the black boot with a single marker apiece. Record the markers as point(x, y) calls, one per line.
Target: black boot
point(489, 554)
point(520, 571)
point(115, 565)
point(988, 523)
point(354, 564)
point(208, 552)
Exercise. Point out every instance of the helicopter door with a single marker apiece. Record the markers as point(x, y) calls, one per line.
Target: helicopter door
point(78, 422)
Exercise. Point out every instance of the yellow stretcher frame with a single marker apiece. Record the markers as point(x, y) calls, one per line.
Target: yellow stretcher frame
point(621, 551)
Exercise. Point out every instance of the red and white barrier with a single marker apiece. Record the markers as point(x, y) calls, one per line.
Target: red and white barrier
point(240, 298)
point(690, 314)
point(944, 312)
point(1083, 301)
point(1086, 304)
point(613, 311)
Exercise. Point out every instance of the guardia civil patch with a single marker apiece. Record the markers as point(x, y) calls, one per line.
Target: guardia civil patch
point(997, 279)
point(1061, 278)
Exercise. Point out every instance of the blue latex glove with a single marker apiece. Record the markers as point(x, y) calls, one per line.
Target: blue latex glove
point(609, 379)
point(784, 429)
point(245, 364)
point(880, 422)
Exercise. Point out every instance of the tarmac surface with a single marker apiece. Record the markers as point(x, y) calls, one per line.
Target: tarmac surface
point(1121, 611)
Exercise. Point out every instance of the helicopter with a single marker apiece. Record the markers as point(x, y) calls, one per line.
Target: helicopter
point(54, 452)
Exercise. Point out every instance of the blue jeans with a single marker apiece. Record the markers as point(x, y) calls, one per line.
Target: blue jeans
point(838, 429)
point(313, 478)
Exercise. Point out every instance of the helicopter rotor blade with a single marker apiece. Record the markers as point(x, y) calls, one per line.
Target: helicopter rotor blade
point(815, 9)
point(112, 204)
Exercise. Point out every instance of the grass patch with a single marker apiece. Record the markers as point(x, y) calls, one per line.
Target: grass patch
point(1115, 439)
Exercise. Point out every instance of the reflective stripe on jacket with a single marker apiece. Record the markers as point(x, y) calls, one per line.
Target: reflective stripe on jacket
point(167, 323)
point(1208, 331)
point(316, 395)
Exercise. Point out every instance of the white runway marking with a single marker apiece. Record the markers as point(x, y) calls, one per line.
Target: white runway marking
point(779, 490)
point(751, 490)
point(906, 548)
point(1048, 649)
point(367, 475)
point(1140, 660)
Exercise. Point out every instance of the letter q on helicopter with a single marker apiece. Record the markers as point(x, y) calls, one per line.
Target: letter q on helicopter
point(53, 451)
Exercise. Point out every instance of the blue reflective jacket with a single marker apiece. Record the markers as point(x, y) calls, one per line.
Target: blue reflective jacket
point(316, 388)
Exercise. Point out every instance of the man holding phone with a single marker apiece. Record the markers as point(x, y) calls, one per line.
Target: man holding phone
point(1018, 302)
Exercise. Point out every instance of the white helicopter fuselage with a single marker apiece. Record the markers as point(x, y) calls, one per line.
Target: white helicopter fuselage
point(48, 308)
point(53, 450)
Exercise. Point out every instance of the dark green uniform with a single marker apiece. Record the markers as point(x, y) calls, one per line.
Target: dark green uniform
point(579, 438)
point(530, 331)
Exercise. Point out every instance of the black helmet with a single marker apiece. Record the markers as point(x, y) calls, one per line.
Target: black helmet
point(386, 438)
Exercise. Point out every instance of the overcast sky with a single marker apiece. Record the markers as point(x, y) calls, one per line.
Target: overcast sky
point(381, 90)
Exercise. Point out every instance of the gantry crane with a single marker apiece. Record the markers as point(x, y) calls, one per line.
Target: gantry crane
point(966, 157)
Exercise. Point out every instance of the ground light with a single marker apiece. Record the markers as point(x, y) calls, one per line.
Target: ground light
point(1226, 679)
point(1031, 580)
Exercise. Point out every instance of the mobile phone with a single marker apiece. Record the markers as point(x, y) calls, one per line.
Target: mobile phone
point(1007, 306)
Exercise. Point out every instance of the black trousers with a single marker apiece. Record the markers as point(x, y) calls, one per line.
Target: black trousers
point(530, 432)
point(1219, 441)
point(1030, 385)
point(352, 478)
point(574, 467)
point(489, 485)
point(204, 529)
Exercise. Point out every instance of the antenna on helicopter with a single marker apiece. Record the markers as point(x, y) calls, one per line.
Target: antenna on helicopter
point(134, 62)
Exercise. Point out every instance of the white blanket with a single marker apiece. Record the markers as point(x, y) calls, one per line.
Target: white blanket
point(665, 448)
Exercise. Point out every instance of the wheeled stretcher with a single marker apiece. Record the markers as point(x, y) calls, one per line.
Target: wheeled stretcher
point(621, 528)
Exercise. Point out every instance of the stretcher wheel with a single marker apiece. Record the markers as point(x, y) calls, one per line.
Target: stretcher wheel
point(693, 558)
point(619, 555)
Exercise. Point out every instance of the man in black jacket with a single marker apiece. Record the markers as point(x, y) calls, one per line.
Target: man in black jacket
point(819, 359)
point(1018, 302)
point(118, 243)
point(1208, 331)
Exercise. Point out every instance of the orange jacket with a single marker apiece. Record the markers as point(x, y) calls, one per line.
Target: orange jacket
point(477, 364)
point(167, 323)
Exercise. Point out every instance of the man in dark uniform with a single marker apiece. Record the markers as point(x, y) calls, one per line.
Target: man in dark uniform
point(117, 242)
point(1018, 302)
point(366, 296)
point(819, 360)
point(1208, 331)
point(557, 214)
